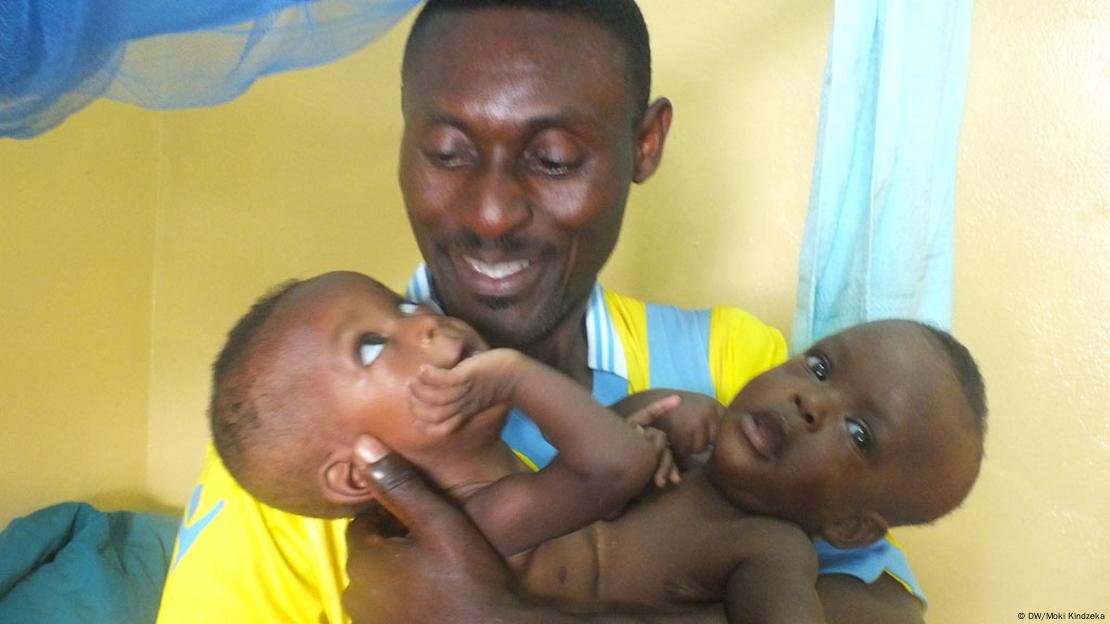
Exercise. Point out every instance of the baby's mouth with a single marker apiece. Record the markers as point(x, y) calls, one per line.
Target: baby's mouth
point(765, 432)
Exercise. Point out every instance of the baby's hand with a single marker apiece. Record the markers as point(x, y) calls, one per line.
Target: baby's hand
point(666, 470)
point(446, 398)
point(694, 425)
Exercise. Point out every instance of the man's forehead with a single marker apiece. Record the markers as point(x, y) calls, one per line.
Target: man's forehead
point(479, 48)
point(507, 24)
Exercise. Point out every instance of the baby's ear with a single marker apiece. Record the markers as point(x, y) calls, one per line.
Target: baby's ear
point(343, 483)
point(856, 531)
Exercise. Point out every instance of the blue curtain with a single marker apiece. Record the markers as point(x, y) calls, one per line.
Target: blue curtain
point(56, 56)
point(878, 239)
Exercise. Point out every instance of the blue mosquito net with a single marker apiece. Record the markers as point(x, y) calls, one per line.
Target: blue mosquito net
point(56, 56)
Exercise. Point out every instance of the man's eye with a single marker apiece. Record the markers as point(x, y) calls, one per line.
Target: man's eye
point(369, 348)
point(551, 163)
point(860, 436)
point(553, 167)
point(818, 364)
point(450, 159)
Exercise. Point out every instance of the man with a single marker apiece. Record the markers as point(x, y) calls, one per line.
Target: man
point(525, 124)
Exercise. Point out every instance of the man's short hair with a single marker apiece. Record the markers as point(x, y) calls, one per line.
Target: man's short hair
point(621, 18)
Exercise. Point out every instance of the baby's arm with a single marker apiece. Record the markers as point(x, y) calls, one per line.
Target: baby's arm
point(776, 582)
point(603, 460)
point(690, 427)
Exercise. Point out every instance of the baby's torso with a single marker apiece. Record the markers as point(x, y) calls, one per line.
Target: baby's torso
point(670, 550)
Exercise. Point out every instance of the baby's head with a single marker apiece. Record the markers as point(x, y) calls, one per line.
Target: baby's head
point(880, 425)
point(311, 366)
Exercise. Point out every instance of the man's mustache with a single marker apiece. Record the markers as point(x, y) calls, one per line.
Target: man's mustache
point(508, 244)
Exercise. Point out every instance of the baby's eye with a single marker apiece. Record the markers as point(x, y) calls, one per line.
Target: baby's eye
point(407, 308)
point(860, 435)
point(819, 365)
point(369, 348)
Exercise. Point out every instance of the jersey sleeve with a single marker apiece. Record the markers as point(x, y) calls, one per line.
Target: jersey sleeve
point(869, 563)
point(237, 560)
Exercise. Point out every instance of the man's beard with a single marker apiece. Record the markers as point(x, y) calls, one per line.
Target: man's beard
point(539, 327)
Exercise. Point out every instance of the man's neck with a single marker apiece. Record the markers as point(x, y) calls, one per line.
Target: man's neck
point(565, 348)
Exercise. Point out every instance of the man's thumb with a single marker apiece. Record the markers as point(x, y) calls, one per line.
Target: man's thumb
point(399, 487)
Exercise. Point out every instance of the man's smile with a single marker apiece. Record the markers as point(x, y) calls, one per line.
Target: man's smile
point(497, 270)
point(498, 275)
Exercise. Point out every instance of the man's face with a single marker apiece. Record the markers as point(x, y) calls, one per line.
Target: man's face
point(519, 147)
point(871, 419)
point(350, 346)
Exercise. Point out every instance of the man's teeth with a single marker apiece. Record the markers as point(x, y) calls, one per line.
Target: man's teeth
point(498, 270)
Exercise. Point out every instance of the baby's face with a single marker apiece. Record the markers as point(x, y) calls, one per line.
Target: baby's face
point(871, 418)
point(351, 346)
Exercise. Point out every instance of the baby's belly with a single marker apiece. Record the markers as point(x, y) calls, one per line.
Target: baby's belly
point(648, 558)
point(651, 558)
point(565, 568)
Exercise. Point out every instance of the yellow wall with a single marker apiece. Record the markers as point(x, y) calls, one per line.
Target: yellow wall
point(76, 225)
point(1033, 304)
point(169, 225)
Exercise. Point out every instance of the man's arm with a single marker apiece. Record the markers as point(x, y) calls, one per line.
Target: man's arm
point(777, 586)
point(444, 571)
point(251, 562)
point(848, 600)
point(603, 460)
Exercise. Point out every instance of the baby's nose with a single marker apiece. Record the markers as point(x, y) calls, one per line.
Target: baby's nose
point(810, 409)
point(443, 343)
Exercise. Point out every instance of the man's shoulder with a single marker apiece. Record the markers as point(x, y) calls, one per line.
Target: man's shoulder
point(251, 560)
point(718, 323)
point(714, 350)
point(617, 299)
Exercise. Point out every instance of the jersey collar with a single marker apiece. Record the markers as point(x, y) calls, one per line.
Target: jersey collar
point(604, 349)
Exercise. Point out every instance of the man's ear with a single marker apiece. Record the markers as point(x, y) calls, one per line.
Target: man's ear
point(343, 484)
point(650, 137)
point(856, 531)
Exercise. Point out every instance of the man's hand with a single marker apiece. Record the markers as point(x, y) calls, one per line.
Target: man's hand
point(445, 398)
point(443, 571)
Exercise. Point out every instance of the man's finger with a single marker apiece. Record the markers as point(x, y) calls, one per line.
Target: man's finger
point(401, 490)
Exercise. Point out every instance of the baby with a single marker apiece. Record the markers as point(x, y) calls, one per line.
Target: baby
point(880, 425)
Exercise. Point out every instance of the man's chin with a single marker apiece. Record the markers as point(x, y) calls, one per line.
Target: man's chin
point(503, 322)
point(496, 304)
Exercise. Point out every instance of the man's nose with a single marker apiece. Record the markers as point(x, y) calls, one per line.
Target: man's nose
point(499, 202)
